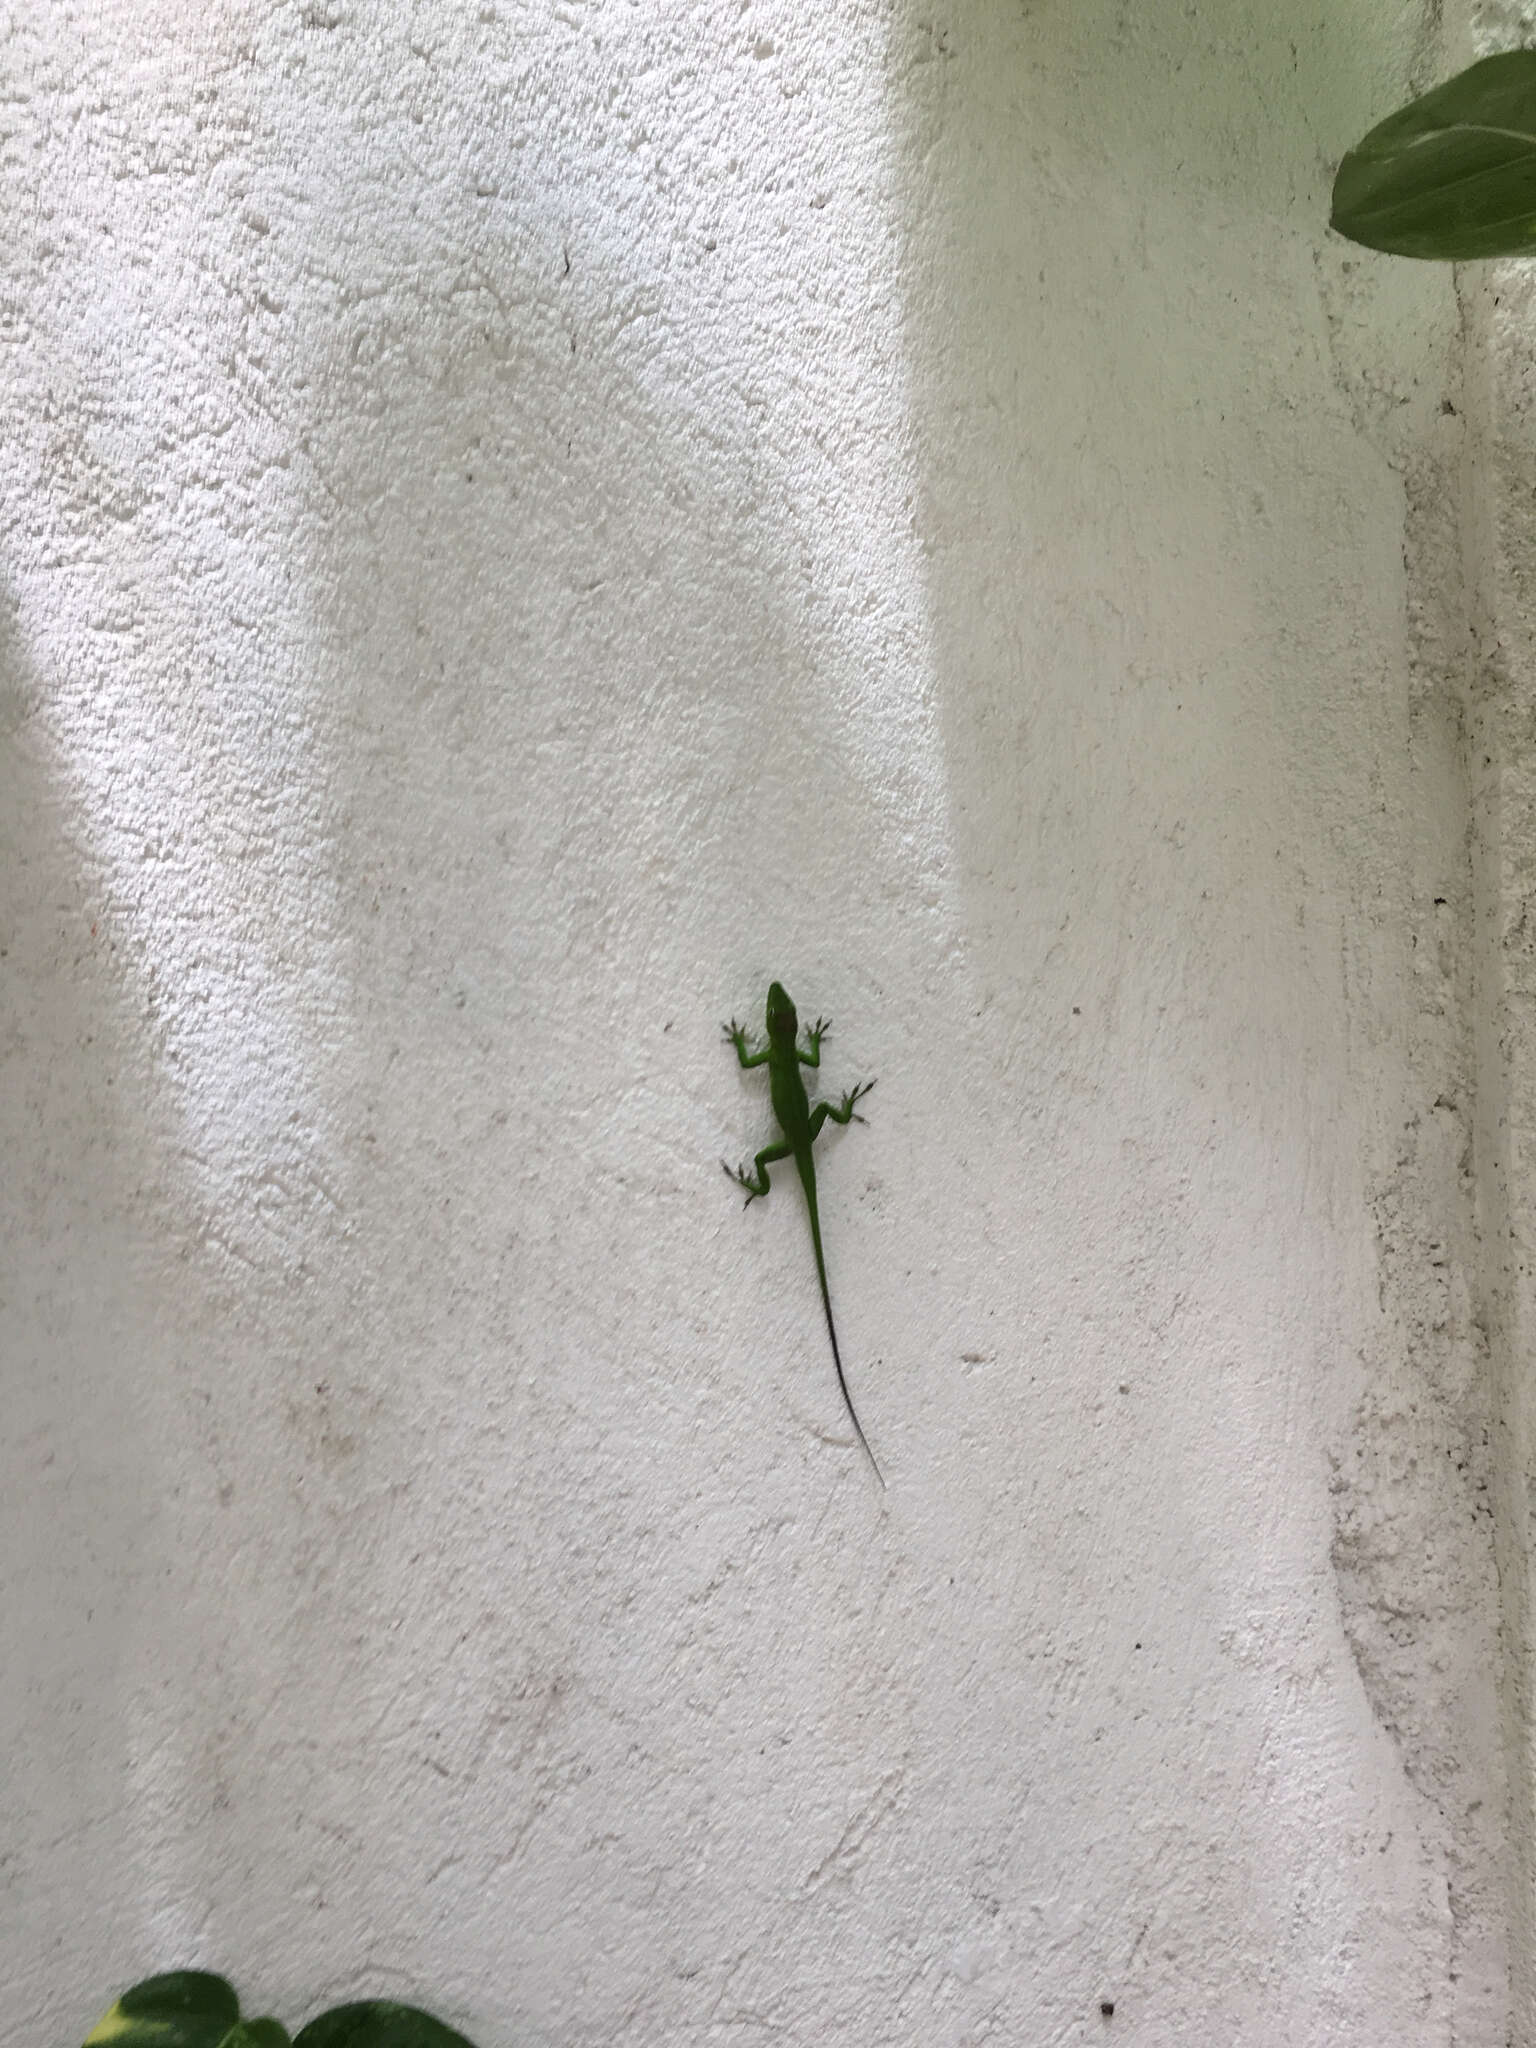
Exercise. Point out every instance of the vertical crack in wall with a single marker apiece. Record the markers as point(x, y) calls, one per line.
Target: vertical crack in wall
point(1499, 555)
point(1418, 1524)
point(1501, 1310)
point(1498, 531)
point(1434, 1494)
point(1413, 1547)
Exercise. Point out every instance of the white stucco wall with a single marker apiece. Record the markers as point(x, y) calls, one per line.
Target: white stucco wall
point(521, 523)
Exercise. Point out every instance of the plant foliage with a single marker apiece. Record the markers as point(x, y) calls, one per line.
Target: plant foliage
point(378, 2024)
point(1452, 175)
point(191, 2009)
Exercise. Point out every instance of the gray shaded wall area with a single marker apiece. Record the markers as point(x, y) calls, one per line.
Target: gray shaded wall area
point(521, 524)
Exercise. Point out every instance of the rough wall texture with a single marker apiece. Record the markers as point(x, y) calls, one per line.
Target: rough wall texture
point(521, 523)
point(1499, 314)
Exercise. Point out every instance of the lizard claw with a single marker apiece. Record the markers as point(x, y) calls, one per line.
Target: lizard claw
point(852, 1097)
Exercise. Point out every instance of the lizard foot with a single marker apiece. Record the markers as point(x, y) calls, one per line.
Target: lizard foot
point(853, 1095)
point(740, 1175)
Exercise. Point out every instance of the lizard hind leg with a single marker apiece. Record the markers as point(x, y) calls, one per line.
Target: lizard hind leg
point(756, 1182)
point(847, 1112)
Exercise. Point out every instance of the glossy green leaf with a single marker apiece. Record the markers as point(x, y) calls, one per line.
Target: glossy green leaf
point(1450, 176)
point(377, 2023)
point(183, 2009)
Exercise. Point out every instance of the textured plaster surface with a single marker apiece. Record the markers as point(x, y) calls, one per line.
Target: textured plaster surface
point(1498, 309)
point(522, 522)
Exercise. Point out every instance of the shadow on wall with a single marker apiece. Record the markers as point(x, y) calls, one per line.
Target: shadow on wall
point(1163, 586)
point(579, 675)
point(531, 607)
point(461, 663)
point(88, 1524)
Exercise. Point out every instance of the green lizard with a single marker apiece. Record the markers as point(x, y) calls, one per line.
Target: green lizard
point(800, 1125)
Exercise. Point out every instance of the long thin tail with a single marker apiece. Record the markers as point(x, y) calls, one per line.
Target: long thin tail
point(826, 1302)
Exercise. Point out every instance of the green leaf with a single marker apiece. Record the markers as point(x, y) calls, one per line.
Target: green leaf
point(1451, 176)
point(183, 2009)
point(377, 2023)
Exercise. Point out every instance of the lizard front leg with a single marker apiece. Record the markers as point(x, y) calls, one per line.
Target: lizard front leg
point(845, 1113)
point(758, 1185)
point(735, 1034)
point(811, 1055)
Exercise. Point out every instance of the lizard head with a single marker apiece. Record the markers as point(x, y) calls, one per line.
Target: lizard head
point(782, 1021)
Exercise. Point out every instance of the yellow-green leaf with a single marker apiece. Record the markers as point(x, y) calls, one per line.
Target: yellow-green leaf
point(183, 2009)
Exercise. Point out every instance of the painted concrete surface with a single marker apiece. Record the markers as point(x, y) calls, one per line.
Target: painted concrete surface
point(523, 522)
